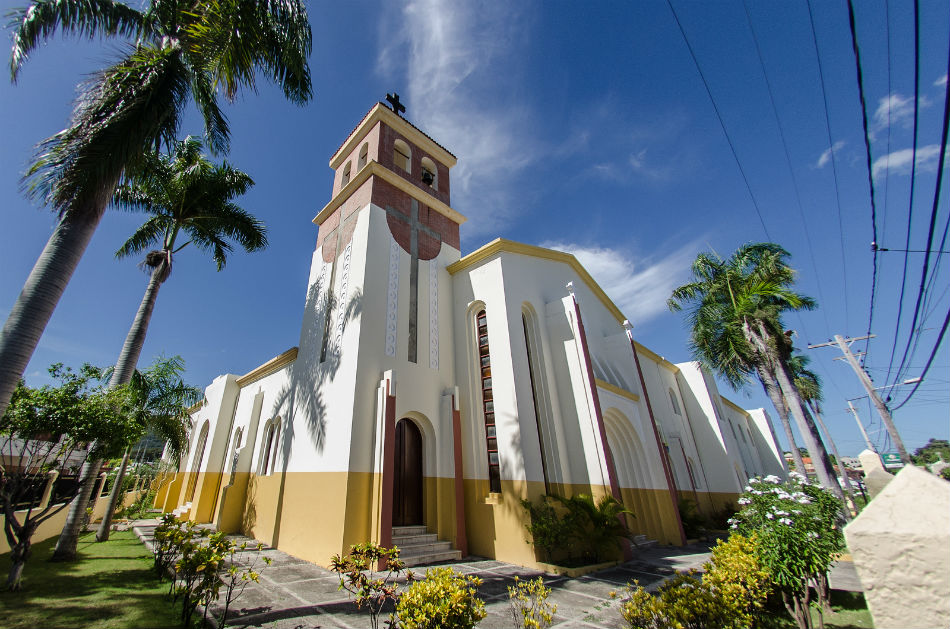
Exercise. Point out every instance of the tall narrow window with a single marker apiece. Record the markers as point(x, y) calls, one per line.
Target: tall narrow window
point(346, 175)
point(364, 153)
point(488, 404)
point(534, 399)
point(197, 461)
point(675, 403)
point(271, 438)
point(402, 155)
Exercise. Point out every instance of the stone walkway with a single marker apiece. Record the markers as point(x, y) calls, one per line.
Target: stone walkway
point(296, 594)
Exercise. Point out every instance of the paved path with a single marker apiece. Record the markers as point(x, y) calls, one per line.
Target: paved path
point(296, 594)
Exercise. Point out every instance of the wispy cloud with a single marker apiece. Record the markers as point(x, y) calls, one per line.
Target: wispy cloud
point(825, 157)
point(451, 54)
point(941, 81)
point(639, 286)
point(899, 162)
point(895, 110)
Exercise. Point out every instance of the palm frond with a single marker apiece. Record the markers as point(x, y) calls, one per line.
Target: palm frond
point(150, 234)
point(86, 18)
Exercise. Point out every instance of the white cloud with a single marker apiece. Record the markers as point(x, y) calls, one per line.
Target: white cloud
point(899, 162)
point(639, 287)
point(895, 109)
point(463, 90)
point(826, 156)
point(941, 81)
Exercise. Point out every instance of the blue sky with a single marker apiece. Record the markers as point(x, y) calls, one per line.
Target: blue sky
point(579, 126)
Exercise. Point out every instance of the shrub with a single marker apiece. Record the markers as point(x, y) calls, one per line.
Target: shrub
point(550, 530)
point(736, 576)
point(596, 526)
point(527, 601)
point(200, 564)
point(683, 602)
point(798, 533)
point(444, 599)
point(694, 525)
point(358, 576)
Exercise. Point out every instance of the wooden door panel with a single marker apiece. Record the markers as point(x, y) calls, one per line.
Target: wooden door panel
point(407, 484)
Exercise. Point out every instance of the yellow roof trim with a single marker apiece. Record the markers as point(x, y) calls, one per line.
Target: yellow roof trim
point(272, 365)
point(195, 408)
point(377, 169)
point(382, 113)
point(729, 402)
point(646, 351)
point(502, 245)
point(606, 386)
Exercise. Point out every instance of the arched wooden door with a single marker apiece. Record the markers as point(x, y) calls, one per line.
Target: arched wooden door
point(407, 484)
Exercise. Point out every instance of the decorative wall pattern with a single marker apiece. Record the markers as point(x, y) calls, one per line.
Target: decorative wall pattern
point(433, 316)
point(392, 298)
point(341, 305)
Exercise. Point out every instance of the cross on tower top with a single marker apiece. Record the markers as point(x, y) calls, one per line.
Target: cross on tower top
point(393, 100)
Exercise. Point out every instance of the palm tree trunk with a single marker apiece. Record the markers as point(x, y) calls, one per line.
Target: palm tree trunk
point(125, 367)
point(834, 451)
point(66, 544)
point(808, 430)
point(41, 292)
point(775, 395)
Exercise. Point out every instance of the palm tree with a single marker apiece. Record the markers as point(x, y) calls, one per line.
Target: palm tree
point(808, 384)
point(160, 400)
point(736, 328)
point(181, 50)
point(185, 194)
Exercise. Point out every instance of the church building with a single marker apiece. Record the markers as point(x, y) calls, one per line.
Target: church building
point(431, 392)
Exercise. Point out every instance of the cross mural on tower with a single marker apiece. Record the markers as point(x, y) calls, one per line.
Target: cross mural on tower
point(415, 226)
point(393, 100)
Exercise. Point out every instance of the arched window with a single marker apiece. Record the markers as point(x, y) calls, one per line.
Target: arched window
point(197, 460)
point(488, 404)
point(235, 454)
point(675, 403)
point(269, 454)
point(430, 174)
point(532, 378)
point(364, 153)
point(346, 175)
point(402, 155)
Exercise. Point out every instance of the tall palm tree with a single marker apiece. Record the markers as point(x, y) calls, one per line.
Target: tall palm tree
point(736, 328)
point(160, 400)
point(180, 50)
point(808, 384)
point(186, 195)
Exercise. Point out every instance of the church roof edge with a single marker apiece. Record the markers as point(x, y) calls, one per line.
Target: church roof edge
point(271, 366)
point(380, 111)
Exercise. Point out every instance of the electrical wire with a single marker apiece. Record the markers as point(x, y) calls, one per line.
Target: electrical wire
point(933, 354)
point(913, 181)
point(931, 228)
point(722, 124)
point(867, 148)
point(834, 162)
point(788, 162)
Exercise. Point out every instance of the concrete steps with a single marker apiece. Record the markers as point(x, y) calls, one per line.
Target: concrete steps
point(641, 541)
point(418, 547)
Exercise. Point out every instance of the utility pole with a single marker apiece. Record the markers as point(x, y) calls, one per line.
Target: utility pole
point(861, 427)
point(845, 346)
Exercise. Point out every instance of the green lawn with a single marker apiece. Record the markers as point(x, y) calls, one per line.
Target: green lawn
point(849, 611)
point(111, 585)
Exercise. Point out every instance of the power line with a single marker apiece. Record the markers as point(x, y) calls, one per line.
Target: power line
point(913, 181)
point(722, 124)
point(932, 227)
point(867, 148)
point(788, 161)
point(834, 163)
point(943, 330)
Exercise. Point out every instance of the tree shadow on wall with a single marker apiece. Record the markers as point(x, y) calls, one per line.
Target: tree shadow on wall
point(316, 365)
